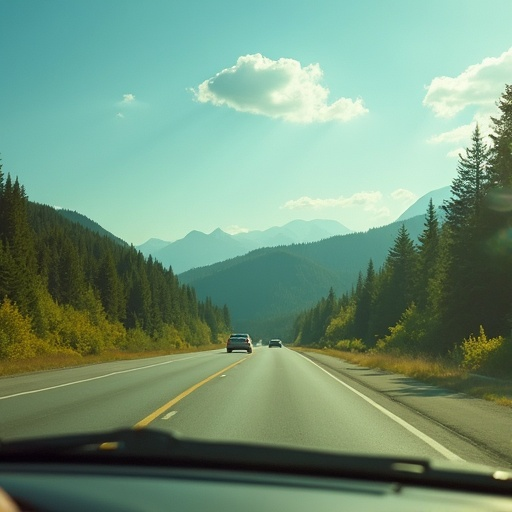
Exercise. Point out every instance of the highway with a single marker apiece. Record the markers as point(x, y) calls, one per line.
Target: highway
point(274, 396)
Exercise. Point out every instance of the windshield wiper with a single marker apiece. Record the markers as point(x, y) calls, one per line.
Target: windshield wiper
point(156, 448)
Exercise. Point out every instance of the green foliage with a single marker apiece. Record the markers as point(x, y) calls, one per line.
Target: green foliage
point(354, 345)
point(408, 335)
point(68, 288)
point(456, 279)
point(136, 340)
point(169, 338)
point(17, 340)
point(480, 353)
point(341, 325)
point(311, 327)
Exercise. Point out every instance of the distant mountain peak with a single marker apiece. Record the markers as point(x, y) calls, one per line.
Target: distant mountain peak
point(438, 197)
point(198, 249)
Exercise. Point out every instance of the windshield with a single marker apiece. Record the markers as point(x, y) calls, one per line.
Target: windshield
point(334, 175)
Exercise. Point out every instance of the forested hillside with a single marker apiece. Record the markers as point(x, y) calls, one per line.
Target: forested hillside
point(448, 293)
point(266, 288)
point(65, 288)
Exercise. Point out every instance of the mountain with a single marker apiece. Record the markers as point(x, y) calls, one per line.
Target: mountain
point(420, 206)
point(266, 288)
point(152, 246)
point(198, 249)
point(85, 222)
point(295, 232)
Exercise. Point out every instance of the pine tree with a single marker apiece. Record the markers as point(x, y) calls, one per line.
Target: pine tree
point(467, 278)
point(501, 149)
point(428, 253)
point(18, 240)
point(364, 304)
point(468, 189)
point(395, 286)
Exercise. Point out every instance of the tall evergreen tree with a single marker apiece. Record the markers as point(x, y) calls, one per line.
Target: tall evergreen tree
point(467, 277)
point(395, 287)
point(428, 253)
point(364, 304)
point(18, 240)
point(501, 149)
point(468, 189)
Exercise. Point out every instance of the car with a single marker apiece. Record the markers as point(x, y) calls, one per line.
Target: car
point(239, 342)
point(275, 343)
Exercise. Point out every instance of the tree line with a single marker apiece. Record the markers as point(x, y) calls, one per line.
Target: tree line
point(67, 289)
point(449, 293)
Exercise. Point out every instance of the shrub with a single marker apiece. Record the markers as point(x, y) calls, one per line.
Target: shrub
point(407, 336)
point(136, 340)
point(168, 337)
point(15, 330)
point(355, 345)
point(481, 353)
point(17, 340)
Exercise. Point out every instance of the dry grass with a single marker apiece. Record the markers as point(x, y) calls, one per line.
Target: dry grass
point(438, 372)
point(52, 362)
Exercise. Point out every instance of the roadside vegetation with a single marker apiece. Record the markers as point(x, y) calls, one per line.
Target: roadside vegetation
point(69, 294)
point(442, 373)
point(440, 307)
point(61, 360)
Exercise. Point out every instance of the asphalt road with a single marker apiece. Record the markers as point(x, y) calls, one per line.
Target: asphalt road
point(273, 396)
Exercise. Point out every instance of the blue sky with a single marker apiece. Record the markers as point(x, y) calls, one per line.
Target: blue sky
point(155, 118)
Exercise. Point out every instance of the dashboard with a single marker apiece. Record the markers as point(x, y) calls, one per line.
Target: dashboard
point(55, 487)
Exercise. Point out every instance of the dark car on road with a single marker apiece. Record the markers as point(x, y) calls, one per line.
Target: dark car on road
point(275, 343)
point(239, 342)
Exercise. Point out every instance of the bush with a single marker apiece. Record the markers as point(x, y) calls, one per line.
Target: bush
point(408, 336)
point(136, 340)
point(355, 345)
point(17, 340)
point(168, 337)
point(484, 354)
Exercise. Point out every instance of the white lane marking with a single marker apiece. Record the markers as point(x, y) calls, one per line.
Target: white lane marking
point(95, 378)
point(413, 430)
point(169, 415)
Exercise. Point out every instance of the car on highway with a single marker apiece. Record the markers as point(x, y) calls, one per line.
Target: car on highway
point(239, 342)
point(275, 343)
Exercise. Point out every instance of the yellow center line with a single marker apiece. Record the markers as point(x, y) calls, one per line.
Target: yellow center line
point(154, 415)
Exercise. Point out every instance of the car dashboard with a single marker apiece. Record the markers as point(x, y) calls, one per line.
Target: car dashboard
point(225, 477)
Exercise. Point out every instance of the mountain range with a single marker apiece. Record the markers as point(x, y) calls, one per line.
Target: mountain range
point(198, 249)
point(267, 288)
point(266, 278)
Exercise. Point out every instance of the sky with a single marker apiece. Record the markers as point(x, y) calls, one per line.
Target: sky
point(158, 117)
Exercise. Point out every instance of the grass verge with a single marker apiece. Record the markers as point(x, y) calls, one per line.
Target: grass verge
point(437, 372)
point(56, 361)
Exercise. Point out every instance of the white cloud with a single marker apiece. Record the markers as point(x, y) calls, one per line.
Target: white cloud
point(454, 153)
point(404, 196)
point(370, 208)
point(235, 230)
point(462, 133)
point(127, 104)
point(277, 88)
point(479, 85)
point(367, 200)
point(128, 98)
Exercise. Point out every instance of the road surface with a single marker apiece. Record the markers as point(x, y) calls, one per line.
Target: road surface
point(274, 396)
